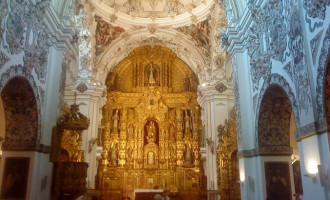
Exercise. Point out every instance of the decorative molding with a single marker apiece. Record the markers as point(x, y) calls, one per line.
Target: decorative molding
point(82, 87)
point(314, 44)
point(265, 151)
point(221, 87)
point(311, 129)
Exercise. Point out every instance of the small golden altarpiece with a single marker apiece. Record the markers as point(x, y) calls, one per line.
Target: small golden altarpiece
point(151, 124)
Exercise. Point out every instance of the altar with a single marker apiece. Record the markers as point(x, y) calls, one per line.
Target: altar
point(146, 194)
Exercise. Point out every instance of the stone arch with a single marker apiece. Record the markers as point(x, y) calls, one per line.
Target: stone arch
point(275, 137)
point(21, 115)
point(274, 119)
point(187, 51)
point(277, 79)
point(18, 71)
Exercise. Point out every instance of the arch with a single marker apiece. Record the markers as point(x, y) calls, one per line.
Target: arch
point(151, 65)
point(326, 91)
point(187, 52)
point(18, 71)
point(274, 137)
point(21, 115)
point(277, 79)
point(274, 118)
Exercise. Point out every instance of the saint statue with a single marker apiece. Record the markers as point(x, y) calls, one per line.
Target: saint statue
point(115, 121)
point(151, 132)
point(114, 153)
point(151, 75)
point(188, 156)
point(187, 122)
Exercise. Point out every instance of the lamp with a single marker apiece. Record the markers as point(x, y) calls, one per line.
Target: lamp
point(312, 169)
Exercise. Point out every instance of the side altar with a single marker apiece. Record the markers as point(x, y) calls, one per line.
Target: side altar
point(150, 124)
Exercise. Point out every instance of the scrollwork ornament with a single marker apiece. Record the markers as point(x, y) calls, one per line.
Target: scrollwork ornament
point(316, 8)
point(15, 33)
point(3, 13)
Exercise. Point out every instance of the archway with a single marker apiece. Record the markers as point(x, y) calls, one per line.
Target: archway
point(277, 145)
point(21, 115)
point(21, 128)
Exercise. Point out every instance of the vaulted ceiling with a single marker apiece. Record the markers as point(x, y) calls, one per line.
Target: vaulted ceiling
point(190, 28)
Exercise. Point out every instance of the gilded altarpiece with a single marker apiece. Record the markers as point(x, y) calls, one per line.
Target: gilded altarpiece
point(151, 124)
point(227, 161)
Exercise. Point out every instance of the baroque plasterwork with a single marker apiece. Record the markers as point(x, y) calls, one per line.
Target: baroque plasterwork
point(3, 59)
point(4, 9)
point(274, 118)
point(316, 8)
point(184, 49)
point(298, 55)
point(237, 101)
point(24, 31)
point(278, 80)
point(321, 70)
point(162, 13)
point(267, 39)
point(19, 71)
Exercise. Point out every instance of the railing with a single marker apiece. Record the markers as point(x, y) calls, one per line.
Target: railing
point(182, 195)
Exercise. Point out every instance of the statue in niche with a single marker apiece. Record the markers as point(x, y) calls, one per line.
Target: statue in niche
point(115, 123)
point(187, 122)
point(172, 132)
point(151, 75)
point(130, 131)
point(151, 130)
point(188, 156)
point(114, 153)
point(130, 152)
point(151, 158)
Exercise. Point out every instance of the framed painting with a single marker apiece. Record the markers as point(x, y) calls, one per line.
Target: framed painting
point(278, 180)
point(15, 176)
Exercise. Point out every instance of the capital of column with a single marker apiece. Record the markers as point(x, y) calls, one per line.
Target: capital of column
point(92, 94)
point(211, 93)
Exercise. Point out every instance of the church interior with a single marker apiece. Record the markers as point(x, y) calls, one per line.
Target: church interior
point(164, 99)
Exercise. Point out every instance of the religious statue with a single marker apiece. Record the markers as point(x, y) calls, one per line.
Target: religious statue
point(151, 137)
point(130, 131)
point(187, 122)
point(115, 123)
point(188, 156)
point(151, 75)
point(114, 153)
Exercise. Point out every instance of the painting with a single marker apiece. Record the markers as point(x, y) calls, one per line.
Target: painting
point(278, 180)
point(15, 178)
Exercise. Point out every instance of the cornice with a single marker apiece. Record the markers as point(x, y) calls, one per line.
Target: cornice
point(62, 35)
point(210, 94)
point(93, 93)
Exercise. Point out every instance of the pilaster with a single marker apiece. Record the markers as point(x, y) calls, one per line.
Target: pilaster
point(215, 107)
point(90, 104)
